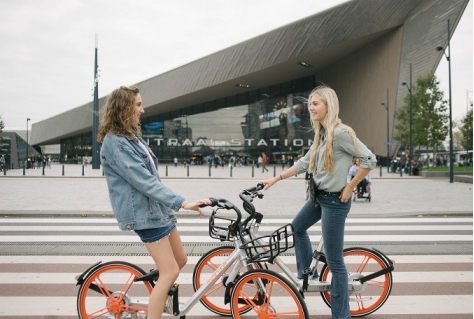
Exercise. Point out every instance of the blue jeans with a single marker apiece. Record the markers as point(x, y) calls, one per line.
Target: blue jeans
point(332, 214)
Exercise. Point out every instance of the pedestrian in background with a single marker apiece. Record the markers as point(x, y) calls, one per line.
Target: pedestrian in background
point(140, 201)
point(329, 160)
point(402, 163)
point(361, 186)
point(3, 163)
point(264, 162)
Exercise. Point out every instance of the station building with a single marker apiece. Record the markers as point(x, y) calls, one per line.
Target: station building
point(250, 98)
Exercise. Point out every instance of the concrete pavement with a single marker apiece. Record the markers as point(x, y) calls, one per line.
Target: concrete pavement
point(74, 195)
point(71, 190)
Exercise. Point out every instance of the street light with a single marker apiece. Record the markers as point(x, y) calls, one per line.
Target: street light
point(467, 101)
point(388, 134)
point(411, 120)
point(27, 145)
point(448, 57)
point(388, 138)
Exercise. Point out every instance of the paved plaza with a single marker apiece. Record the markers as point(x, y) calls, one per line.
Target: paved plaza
point(77, 191)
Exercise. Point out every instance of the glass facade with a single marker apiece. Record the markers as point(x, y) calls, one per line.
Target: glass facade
point(274, 120)
point(76, 149)
point(16, 150)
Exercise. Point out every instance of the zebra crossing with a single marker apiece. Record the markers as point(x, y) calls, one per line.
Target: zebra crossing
point(40, 258)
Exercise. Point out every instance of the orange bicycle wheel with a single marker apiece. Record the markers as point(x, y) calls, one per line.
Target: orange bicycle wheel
point(269, 295)
point(361, 262)
point(109, 290)
point(214, 298)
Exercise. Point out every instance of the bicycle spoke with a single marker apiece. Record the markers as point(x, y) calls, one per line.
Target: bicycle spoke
point(373, 293)
point(204, 270)
point(214, 288)
point(98, 313)
point(269, 295)
point(109, 290)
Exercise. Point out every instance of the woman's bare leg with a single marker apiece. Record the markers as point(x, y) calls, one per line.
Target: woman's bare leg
point(178, 249)
point(163, 255)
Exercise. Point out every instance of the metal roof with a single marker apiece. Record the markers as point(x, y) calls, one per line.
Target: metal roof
point(322, 40)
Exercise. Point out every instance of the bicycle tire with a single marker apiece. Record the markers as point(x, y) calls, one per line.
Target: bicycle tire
point(275, 303)
point(363, 261)
point(112, 279)
point(214, 300)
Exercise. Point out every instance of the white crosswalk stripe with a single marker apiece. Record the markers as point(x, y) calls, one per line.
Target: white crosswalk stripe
point(36, 283)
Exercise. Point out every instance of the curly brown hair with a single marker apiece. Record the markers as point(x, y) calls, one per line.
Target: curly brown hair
point(118, 114)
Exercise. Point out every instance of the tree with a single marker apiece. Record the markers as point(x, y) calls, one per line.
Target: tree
point(457, 137)
point(429, 115)
point(466, 130)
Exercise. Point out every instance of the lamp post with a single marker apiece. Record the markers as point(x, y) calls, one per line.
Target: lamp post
point(388, 132)
point(27, 144)
point(411, 121)
point(95, 114)
point(448, 57)
point(467, 101)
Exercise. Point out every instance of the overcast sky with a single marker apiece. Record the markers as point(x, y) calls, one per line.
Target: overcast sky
point(47, 46)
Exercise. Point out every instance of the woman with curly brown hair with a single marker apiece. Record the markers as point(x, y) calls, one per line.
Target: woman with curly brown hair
point(139, 199)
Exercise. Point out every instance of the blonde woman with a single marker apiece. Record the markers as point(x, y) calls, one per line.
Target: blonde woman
point(329, 160)
point(140, 201)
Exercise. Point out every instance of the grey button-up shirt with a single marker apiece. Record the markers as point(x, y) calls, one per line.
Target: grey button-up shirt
point(344, 152)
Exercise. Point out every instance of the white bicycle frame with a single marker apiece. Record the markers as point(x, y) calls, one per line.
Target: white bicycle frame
point(313, 286)
point(238, 257)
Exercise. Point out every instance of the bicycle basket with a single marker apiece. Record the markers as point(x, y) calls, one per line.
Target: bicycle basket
point(267, 248)
point(219, 226)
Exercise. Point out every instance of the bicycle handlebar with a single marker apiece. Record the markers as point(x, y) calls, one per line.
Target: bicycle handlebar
point(247, 196)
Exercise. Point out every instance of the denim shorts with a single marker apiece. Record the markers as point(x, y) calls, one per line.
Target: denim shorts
point(153, 235)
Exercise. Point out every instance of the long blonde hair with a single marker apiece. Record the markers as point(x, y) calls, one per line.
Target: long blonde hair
point(330, 122)
point(119, 112)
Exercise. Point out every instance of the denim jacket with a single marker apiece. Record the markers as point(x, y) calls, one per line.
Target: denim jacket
point(138, 197)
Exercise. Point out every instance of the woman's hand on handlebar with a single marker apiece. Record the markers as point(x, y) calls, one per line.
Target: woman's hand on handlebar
point(196, 206)
point(269, 182)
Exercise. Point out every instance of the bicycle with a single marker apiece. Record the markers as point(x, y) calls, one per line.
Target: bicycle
point(370, 271)
point(119, 289)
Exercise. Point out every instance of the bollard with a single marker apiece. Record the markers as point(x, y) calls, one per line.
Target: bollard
point(380, 171)
point(274, 171)
point(166, 171)
point(253, 170)
point(231, 171)
point(187, 167)
point(23, 170)
point(4, 171)
point(43, 170)
point(63, 169)
point(82, 170)
point(209, 171)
